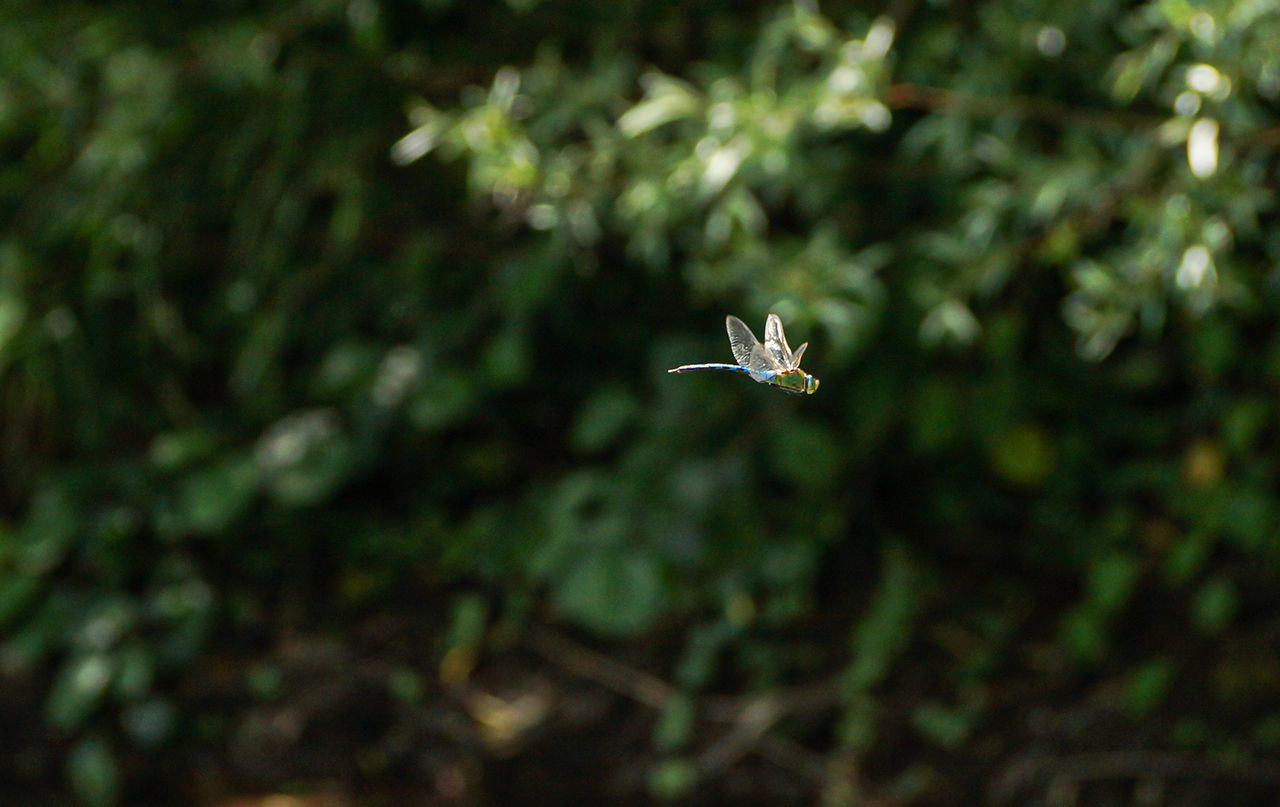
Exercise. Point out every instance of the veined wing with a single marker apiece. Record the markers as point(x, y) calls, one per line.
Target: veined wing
point(795, 357)
point(747, 350)
point(775, 344)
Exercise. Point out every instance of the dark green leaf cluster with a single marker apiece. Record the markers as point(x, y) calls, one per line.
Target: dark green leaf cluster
point(311, 309)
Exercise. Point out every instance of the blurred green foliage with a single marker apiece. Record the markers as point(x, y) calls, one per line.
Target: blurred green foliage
point(272, 352)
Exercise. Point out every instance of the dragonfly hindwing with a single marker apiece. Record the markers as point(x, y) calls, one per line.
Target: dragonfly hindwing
point(795, 357)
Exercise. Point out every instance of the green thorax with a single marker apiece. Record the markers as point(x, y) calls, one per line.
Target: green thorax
point(795, 381)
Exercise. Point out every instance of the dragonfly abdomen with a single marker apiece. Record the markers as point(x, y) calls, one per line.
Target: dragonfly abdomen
point(733, 368)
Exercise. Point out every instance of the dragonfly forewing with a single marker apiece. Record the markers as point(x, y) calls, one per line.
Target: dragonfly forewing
point(747, 349)
point(741, 339)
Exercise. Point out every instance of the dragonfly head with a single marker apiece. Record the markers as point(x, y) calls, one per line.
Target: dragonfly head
point(810, 384)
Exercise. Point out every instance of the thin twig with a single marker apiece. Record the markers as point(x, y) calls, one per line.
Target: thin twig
point(599, 668)
point(652, 691)
point(752, 725)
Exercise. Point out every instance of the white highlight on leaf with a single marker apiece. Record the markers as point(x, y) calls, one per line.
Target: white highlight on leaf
point(666, 99)
point(542, 216)
point(950, 321)
point(1204, 78)
point(413, 145)
point(288, 441)
point(1217, 233)
point(1050, 41)
point(876, 116)
point(60, 322)
point(846, 78)
point(1187, 103)
point(722, 116)
point(1203, 26)
point(1202, 148)
point(879, 39)
point(506, 84)
point(722, 164)
point(400, 368)
point(1196, 268)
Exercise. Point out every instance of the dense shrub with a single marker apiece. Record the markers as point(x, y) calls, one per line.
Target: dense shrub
point(276, 355)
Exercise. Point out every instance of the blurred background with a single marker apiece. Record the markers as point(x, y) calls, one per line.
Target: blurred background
point(339, 464)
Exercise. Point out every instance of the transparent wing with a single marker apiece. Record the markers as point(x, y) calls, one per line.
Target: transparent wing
point(741, 340)
point(795, 357)
point(747, 350)
point(775, 342)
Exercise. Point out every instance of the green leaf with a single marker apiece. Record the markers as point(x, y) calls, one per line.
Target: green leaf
point(1025, 455)
point(1214, 605)
point(885, 631)
point(447, 399)
point(406, 686)
point(672, 779)
point(78, 689)
point(468, 622)
point(12, 314)
point(701, 657)
point(935, 416)
point(614, 592)
point(1147, 685)
point(304, 457)
point(666, 99)
point(857, 727)
point(507, 360)
point(150, 722)
point(17, 592)
point(675, 723)
point(1266, 731)
point(1187, 556)
point(1111, 580)
point(136, 670)
point(944, 726)
point(265, 681)
point(93, 772)
point(171, 451)
point(807, 454)
point(603, 418)
point(213, 498)
point(49, 532)
point(1084, 632)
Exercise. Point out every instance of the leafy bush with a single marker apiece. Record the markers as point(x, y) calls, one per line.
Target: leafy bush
point(273, 357)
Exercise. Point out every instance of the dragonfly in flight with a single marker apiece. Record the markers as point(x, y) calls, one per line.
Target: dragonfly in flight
point(771, 362)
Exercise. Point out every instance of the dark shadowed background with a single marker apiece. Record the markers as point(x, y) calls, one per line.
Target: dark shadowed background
point(339, 464)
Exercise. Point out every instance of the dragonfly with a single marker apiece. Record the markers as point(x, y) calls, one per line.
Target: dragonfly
point(771, 362)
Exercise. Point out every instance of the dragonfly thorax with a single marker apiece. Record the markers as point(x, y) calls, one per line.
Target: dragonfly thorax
point(794, 381)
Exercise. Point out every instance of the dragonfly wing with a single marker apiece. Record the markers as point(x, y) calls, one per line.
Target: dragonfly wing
point(741, 340)
point(761, 362)
point(775, 341)
point(795, 357)
point(747, 350)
